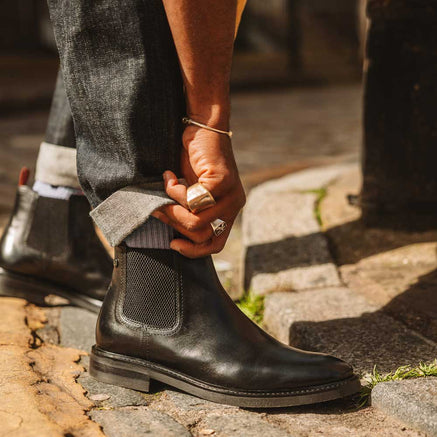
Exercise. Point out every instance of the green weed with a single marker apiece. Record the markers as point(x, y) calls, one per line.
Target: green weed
point(403, 372)
point(252, 306)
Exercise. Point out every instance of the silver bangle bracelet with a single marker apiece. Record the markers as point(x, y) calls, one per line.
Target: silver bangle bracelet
point(187, 120)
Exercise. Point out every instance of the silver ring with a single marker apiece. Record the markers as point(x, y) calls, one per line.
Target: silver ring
point(218, 227)
point(199, 198)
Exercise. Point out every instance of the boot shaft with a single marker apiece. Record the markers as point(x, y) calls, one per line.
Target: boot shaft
point(55, 240)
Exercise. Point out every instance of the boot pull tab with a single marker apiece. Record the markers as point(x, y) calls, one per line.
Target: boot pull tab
point(24, 176)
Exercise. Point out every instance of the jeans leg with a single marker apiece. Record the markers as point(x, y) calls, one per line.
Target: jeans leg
point(60, 128)
point(56, 163)
point(124, 85)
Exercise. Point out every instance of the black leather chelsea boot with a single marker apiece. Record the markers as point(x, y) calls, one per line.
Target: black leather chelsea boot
point(167, 317)
point(50, 248)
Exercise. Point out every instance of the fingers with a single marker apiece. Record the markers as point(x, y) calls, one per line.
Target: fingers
point(228, 205)
point(192, 226)
point(186, 219)
point(186, 168)
point(198, 235)
point(193, 250)
point(196, 227)
point(174, 189)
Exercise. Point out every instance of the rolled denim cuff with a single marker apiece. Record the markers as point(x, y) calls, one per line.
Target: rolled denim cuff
point(127, 209)
point(56, 165)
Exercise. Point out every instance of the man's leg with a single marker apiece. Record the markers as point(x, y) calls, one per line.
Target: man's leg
point(56, 172)
point(56, 163)
point(41, 254)
point(165, 316)
point(125, 89)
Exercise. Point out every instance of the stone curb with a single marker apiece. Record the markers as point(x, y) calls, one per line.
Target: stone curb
point(340, 322)
point(284, 248)
point(323, 315)
point(413, 401)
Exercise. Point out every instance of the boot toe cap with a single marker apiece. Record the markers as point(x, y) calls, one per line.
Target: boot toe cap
point(314, 369)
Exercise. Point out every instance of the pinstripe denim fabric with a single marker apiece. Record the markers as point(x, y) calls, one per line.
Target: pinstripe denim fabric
point(124, 86)
point(60, 128)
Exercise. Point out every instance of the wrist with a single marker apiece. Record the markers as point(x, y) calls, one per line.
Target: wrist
point(216, 115)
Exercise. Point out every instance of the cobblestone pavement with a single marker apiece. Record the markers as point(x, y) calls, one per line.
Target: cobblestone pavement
point(44, 351)
point(364, 295)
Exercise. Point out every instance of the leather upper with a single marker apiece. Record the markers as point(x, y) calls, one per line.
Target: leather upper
point(54, 240)
point(213, 340)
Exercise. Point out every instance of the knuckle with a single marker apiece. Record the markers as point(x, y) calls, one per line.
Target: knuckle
point(193, 225)
point(188, 226)
point(221, 180)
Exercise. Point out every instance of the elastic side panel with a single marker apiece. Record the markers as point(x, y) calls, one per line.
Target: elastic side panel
point(152, 288)
point(49, 230)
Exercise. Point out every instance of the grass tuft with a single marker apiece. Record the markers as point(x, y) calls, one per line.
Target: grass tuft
point(321, 194)
point(252, 306)
point(403, 372)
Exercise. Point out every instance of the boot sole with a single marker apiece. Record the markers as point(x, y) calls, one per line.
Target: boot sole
point(136, 373)
point(41, 292)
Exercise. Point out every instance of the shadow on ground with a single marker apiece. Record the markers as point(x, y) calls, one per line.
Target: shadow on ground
point(381, 337)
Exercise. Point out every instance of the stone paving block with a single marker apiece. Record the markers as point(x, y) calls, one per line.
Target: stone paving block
point(49, 333)
point(413, 401)
point(329, 419)
point(339, 419)
point(186, 402)
point(335, 209)
point(110, 396)
point(297, 278)
point(284, 249)
point(282, 310)
point(340, 322)
point(138, 422)
point(311, 179)
point(269, 217)
point(403, 288)
point(241, 424)
point(77, 328)
point(393, 268)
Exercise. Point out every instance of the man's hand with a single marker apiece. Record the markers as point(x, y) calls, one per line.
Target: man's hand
point(207, 158)
point(203, 32)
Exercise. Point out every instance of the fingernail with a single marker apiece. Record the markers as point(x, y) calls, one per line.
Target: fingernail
point(165, 176)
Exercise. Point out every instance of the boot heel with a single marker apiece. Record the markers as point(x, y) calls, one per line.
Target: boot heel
point(114, 372)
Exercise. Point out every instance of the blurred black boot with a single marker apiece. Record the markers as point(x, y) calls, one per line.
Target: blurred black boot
point(50, 247)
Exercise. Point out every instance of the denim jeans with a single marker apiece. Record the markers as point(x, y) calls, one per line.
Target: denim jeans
point(122, 77)
point(56, 164)
point(60, 127)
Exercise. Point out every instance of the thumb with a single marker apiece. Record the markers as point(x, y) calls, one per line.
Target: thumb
point(174, 188)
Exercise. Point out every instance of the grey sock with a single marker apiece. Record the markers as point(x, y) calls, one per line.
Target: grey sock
point(152, 235)
point(47, 190)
